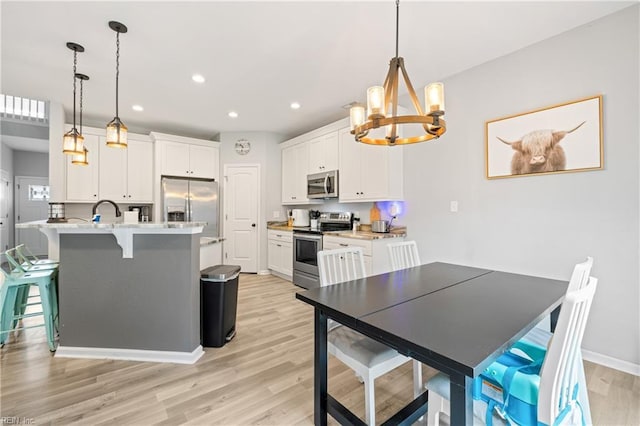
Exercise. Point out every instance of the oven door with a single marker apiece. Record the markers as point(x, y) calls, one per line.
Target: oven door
point(305, 252)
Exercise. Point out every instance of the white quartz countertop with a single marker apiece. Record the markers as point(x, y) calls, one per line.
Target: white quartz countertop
point(107, 225)
point(205, 241)
point(123, 232)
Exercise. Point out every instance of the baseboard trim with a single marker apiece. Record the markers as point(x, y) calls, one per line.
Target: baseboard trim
point(615, 363)
point(264, 272)
point(130, 354)
point(279, 275)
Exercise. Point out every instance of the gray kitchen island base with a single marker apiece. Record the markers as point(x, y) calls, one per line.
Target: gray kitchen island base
point(129, 292)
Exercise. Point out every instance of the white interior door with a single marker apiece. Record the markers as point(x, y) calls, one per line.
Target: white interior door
point(5, 197)
point(32, 202)
point(241, 212)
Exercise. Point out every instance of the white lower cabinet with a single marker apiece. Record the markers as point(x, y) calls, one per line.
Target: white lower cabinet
point(375, 252)
point(280, 251)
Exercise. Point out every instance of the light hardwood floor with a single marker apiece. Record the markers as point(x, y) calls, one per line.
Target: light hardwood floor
point(263, 376)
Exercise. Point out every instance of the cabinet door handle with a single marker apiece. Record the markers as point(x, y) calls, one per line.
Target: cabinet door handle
point(129, 196)
point(278, 245)
point(344, 245)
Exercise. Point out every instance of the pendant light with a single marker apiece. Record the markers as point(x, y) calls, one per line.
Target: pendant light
point(382, 107)
point(116, 130)
point(73, 141)
point(81, 159)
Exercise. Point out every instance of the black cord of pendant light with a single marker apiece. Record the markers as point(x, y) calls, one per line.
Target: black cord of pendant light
point(81, 80)
point(117, 68)
point(75, 64)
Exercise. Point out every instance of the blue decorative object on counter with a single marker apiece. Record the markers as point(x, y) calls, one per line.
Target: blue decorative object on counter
point(96, 218)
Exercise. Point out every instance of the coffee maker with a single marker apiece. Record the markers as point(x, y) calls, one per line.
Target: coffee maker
point(144, 212)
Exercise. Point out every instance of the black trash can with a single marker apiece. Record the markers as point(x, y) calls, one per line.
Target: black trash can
point(218, 304)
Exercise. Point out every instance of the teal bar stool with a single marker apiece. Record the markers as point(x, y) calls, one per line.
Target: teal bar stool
point(16, 282)
point(31, 262)
point(21, 263)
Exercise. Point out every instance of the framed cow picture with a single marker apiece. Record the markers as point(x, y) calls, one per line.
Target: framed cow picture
point(556, 139)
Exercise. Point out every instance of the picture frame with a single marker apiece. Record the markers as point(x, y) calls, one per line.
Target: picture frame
point(562, 138)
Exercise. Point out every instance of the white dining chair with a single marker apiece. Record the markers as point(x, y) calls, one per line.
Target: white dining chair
point(368, 358)
point(557, 384)
point(539, 337)
point(405, 255)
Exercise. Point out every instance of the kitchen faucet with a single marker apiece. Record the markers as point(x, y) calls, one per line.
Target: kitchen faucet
point(95, 207)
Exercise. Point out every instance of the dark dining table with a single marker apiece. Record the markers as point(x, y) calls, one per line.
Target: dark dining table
point(456, 319)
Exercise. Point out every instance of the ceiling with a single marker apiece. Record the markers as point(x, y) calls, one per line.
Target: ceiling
point(257, 57)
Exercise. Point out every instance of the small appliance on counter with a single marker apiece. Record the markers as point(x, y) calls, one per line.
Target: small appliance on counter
point(382, 226)
point(56, 213)
point(314, 216)
point(142, 211)
point(300, 218)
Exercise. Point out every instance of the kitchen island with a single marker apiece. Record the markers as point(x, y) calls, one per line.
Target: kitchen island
point(128, 291)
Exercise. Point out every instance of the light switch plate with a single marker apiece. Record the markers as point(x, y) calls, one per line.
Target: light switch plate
point(454, 206)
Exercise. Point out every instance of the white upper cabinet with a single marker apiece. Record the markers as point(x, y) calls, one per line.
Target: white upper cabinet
point(369, 172)
point(83, 181)
point(295, 166)
point(126, 174)
point(188, 160)
point(323, 153)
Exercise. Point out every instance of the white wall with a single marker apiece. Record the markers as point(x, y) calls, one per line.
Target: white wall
point(26, 163)
point(543, 225)
point(266, 152)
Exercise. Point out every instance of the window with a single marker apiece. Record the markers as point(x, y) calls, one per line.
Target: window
point(38, 192)
point(15, 105)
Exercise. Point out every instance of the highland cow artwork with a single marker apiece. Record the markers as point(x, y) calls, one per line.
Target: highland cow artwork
point(561, 138)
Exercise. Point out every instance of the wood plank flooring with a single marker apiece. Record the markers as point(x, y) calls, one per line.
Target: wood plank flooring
point(263, 376)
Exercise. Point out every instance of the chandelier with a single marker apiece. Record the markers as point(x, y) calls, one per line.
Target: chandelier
point(382, 108)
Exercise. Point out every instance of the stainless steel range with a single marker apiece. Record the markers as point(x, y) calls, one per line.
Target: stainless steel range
point(307, 242)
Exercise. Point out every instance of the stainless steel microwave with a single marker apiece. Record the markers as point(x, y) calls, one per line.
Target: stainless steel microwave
point(323, 185)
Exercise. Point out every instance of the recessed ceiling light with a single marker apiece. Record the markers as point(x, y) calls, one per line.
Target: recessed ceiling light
point(198, 78)
point(137, 108)
point(233, 114)
point(295, 105)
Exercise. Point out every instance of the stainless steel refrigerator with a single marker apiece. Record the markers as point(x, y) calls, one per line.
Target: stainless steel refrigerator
point(191, 200)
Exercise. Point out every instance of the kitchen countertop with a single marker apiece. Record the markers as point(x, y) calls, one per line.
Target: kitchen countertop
point(110, 225)
point(364, 234)
point(206, 241)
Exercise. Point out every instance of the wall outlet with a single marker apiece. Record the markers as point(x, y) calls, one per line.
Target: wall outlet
point(453, 206)
point(276, 214)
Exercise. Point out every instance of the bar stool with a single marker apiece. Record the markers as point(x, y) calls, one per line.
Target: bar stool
point(21, 263)
point(30, 261)
point(15, 284)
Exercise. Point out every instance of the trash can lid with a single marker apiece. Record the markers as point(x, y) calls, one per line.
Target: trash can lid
point(220, 273)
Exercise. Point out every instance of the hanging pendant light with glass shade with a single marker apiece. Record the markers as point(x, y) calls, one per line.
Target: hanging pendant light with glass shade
point(81, 159)
point(382, 107)
point(73, 141)
point(116, 130)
